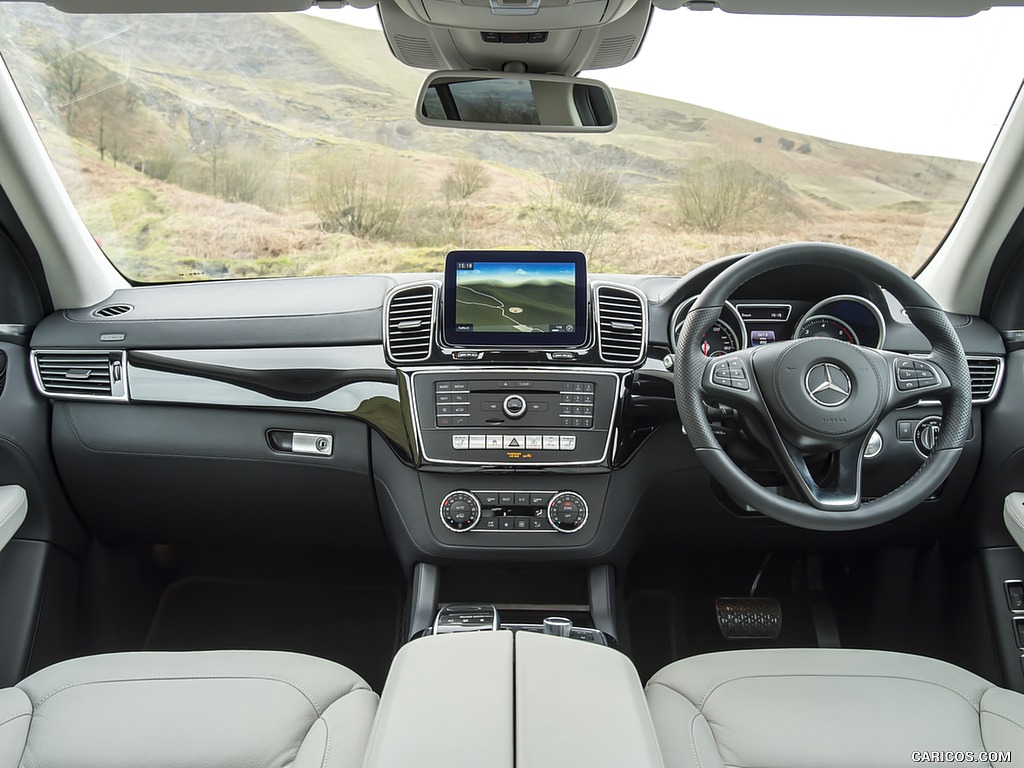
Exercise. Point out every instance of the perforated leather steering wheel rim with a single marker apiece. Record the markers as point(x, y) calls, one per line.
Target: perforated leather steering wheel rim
point(947, 353)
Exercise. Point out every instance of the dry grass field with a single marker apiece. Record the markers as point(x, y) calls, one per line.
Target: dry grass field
point(299, 155)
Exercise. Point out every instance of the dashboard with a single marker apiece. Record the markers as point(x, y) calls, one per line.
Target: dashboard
point(473, 433)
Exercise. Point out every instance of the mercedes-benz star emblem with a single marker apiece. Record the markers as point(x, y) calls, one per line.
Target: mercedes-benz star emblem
point(828, 385)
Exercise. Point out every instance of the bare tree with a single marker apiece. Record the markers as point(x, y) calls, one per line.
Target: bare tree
point(577, 211)
point(68, 74)
point(466, 177)
point(365, 199)
point(716, 193)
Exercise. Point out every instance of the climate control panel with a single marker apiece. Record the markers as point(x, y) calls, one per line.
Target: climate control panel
point(560, 511)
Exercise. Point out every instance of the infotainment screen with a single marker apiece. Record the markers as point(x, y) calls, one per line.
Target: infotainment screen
point(534, 299)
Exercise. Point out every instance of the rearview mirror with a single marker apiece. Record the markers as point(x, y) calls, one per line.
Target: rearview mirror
point(512, 101)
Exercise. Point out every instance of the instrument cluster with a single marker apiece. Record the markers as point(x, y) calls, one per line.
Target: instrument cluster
point(845, 317)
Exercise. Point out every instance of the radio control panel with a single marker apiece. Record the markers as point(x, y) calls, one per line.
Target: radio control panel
point(499, 417)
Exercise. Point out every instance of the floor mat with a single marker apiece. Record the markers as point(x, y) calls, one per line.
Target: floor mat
point(355, 626)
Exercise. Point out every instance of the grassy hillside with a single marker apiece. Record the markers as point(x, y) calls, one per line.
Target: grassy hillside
point(234, 146)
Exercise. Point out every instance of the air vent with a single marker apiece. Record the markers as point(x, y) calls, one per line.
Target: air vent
point(416, 51)
point(112, 310)
point(3, 371)
point(90, 375)
point(621, 325)
point(986, 376)
point(614, 52)
point(409, 323)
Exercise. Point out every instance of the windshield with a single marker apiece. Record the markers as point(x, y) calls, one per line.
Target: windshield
point(234, 146)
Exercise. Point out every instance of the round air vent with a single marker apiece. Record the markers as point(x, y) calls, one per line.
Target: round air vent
point(112, 310)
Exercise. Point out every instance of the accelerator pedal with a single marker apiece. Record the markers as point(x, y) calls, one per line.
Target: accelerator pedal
point(749, 618)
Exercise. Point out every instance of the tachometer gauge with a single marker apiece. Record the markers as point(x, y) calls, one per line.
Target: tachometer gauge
point(828, 327)
point(719, 340)
point(728, 334)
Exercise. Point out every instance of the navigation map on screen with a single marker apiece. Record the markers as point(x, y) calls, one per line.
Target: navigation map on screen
point(527, 297)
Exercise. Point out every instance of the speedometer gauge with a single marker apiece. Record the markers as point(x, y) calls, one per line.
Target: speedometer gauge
point(719, 340)
point(828, 327)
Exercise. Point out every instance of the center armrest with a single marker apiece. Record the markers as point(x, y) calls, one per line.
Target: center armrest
point(579, 703)
point(500, 699)
point(447, 702)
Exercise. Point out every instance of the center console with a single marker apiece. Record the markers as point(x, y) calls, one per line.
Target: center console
point(512, 372)
point(526, 700)
point(514, 416)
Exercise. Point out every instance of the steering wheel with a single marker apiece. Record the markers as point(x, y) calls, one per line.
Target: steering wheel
point(818, 399)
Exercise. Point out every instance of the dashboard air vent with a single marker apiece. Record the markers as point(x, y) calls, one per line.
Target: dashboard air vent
point(986, 376)
point(621, 325)
point(92, 375)
point(409, 323)
point(3, 371)
point(112, 310)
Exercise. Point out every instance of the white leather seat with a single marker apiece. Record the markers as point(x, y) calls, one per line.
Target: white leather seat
point(827, 707)
point(211, 709)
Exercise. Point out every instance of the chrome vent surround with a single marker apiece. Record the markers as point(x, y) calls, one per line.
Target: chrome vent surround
point(80, 375)
point(986, 376)
point(112, 310)
point(621, 324)
point(410, 313)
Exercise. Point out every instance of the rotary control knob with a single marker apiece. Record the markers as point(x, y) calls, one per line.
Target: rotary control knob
point(926, 433)
point(460, 511)
point(514, 406)
point(567, 512)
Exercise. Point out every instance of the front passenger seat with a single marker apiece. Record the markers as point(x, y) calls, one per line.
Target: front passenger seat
point(206, 709)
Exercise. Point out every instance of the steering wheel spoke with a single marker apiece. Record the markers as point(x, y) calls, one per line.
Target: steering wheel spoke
point(912, 379)
point(729, 380)
point(834, 485)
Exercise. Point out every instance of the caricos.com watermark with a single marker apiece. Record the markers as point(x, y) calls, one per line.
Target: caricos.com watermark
point(955, 756)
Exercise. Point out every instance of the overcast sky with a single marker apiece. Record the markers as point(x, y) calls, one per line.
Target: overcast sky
point(928, 86)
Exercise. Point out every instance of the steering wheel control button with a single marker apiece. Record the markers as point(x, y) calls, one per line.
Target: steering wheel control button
point(514, 406)
point(828, 385)
point(730, 373)
point(914, 374)
point(926, 434)
point(567, 512)
point(460, 511)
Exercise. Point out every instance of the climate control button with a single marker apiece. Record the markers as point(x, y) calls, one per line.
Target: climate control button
point(567, 511)
point(460, 511)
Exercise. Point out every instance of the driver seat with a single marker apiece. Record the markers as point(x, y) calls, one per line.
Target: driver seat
point(828, 707)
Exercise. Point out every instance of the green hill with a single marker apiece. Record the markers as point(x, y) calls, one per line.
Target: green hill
point(239, 145)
